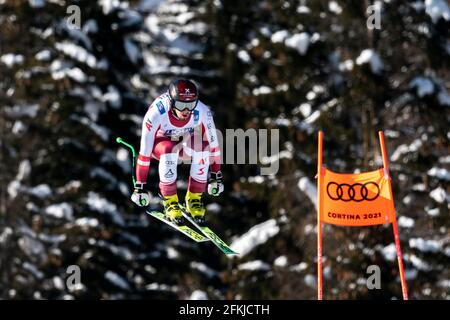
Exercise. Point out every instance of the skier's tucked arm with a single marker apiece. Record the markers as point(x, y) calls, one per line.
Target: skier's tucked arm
point(215, 185)
point(150, 126)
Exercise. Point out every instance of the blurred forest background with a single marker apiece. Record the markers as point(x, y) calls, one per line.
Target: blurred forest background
point(298, 66)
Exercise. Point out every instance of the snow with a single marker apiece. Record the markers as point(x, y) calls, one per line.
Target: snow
point(117, 280)
point(411, 274)
point(172, 253)
point(80, 35)
point(439, 173)
point(60, 211)
point(303, 9)
point(443, 97)
point(5, 234)
point(309, 228)
point(282, 87)
point(75, 73)
point(14, 188)
point(256, 265)
point(279, 36)
point(161, 287)
point(93, 108)
point(403, 149)
point(440, 195)
point(105, 175)
point(371, 57)
point(432, 212)
point(444, 283)
point(132, 50)
point(437, 9)
point(418, 263)
point(131, 238)
point(425, 245)
point(148, 268)
point(18, 128)
point(36, 3)
point(282, 122)
point(123, 160)
point(300, 42)
point(24, 170)
point(184, 17)
point(309, 189)
point(60, 70)
point(110, 5)
point(284, 154)
point(346, 65)
point(100, 204)
point(33, 270)
point(299, 267)
point(257, 235)
point(405, 222)
point(129, 18)
point(407, 200)
point(198, 295)
point(281, 261)
point(418, 187)
point(155, 64)
point(311, 95)
point(74, 184)
point(113, 97)
point(10, 59)
point(80, 54)
point(203, 268)
point(262, 90)
point(389, 252)
point(313, 117)
point(391, 134)
point(152, 24)
point(90, 26)
point(423, 86)
point(310, 281)
point(149, 5)
point(58, 283)
point(334, 7)
point(23, 111)
point(44, 55)
point(244, 56)
point(119, 251)
point(305, 109)
point(41, 191)
point(101, 131)
point(31, 246)
point(52, 239)
point(213, 208)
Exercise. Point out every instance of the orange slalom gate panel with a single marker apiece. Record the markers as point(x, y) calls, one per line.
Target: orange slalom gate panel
point(362, 199)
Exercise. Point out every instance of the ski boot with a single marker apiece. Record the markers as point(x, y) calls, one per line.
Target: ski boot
point(195, 208)
point(172, 209)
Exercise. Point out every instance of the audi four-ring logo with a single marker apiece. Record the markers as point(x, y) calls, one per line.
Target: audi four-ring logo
point(352, 192)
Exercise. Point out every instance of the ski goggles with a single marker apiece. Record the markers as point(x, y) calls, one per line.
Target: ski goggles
point(183, 105)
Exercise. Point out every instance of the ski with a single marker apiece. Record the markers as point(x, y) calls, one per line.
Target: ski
point(183, 229)
point(209, 234)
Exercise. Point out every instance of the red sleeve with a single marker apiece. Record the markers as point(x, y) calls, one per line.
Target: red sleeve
point(142, 168)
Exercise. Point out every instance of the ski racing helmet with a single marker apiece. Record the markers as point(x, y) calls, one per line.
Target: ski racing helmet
point(184, 94)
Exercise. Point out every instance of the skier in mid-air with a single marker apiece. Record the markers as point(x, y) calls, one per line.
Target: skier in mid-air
point(178, 126)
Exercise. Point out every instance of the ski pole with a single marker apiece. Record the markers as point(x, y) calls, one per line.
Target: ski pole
point(133, 171)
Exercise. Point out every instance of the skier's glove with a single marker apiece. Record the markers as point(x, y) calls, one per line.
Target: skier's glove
point(215, 185)
point(140, 196)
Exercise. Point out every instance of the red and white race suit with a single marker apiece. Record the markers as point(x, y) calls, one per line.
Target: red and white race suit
point(168, 139)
